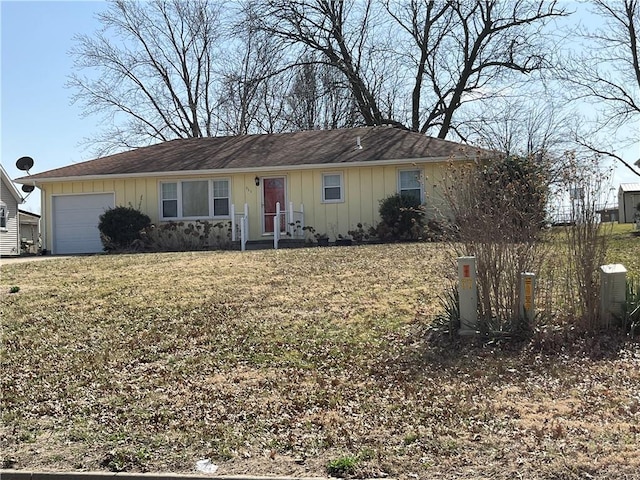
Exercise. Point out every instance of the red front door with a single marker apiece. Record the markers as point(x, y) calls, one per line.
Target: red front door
point(273, 191)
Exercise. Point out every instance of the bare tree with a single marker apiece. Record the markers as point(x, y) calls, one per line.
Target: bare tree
point(607, 74)
point(304, 97)
point(529, 125)
point(253, 74)
point(452, 50)
point(318, 98)
point(151, 65)
point(462, 50)
point(340, 32)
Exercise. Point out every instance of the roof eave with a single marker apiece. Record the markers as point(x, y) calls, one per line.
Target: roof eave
point(12, 188)
point(250, 170)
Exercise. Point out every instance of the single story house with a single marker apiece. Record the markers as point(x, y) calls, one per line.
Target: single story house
point(328, 179)
point(10, 198)
point(628, 201)
point(29, 231)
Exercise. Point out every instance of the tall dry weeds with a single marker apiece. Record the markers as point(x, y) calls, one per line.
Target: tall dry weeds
point(585, 184)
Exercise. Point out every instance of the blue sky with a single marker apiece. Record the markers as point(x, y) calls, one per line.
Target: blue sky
point(38, 118)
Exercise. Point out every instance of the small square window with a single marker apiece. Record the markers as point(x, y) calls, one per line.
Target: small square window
point(332, 189)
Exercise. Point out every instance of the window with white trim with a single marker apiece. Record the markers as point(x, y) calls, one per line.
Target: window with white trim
point(169, 200)
point(194, 199)
point(332, 188)
point(410, 183)
point(3, 216)
point(220, 198)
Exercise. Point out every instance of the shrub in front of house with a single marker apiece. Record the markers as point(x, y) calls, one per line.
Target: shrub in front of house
point(184, 237)
point(120, 227)
point(402, 217)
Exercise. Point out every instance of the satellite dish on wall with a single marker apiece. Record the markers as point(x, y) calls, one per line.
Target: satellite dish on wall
point(28, 188)
point(24, 163)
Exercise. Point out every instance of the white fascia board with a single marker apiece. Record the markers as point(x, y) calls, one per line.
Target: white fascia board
point(250, 170)
point(12, 188)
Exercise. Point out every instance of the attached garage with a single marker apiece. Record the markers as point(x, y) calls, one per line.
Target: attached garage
point(75, 222)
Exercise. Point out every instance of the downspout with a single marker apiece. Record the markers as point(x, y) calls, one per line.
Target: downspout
point(44, 219)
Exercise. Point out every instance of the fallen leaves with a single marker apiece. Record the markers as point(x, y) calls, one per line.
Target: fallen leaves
point(279, 362)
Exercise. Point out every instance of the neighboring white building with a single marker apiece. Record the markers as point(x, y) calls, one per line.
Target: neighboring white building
point(628, 201)
point(10, 198)
point(29, 231)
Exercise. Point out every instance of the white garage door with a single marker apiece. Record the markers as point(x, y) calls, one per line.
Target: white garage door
point(75, 222)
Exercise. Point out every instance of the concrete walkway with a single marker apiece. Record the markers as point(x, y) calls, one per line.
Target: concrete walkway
point(34, 258)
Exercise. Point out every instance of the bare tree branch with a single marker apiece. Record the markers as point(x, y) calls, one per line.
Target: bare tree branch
point(607, 74)
point(464, 47)
point(151, 65)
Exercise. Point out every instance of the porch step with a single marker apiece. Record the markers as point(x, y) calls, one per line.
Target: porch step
point(267, 244)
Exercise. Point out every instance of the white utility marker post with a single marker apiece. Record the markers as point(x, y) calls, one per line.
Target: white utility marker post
point(613, 291)
point(243, 234)
point(291, 223)
point(246, 227)
point(276, 227)
point(527, 295)
point(468, 295)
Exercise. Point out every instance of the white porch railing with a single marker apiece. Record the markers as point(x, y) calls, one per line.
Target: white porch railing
point(240, 226)
point(293, 221)
point(293, 224)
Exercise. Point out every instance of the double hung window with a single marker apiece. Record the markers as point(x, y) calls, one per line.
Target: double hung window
point(332, 188)
point(410, 184)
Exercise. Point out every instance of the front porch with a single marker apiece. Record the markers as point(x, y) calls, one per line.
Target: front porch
point(291, 234)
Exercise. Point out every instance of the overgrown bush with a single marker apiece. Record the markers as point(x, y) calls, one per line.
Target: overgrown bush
point(120, 227)
point(181, 237)
point(499, 211)
point(402, 217)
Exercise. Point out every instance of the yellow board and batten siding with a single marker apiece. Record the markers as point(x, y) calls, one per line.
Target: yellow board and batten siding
point(363, 188)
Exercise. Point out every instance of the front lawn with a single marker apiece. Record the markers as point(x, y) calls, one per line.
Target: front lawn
point(285, 362)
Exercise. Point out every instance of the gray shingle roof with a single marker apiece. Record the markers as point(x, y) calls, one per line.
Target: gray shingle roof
point(251, 152)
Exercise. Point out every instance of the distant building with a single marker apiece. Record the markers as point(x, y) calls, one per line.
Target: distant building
point(29, 231)
point(10, 198)
point(609, 214)
point(628, 201)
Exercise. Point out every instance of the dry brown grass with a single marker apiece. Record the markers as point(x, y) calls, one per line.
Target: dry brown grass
point(279, 362)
